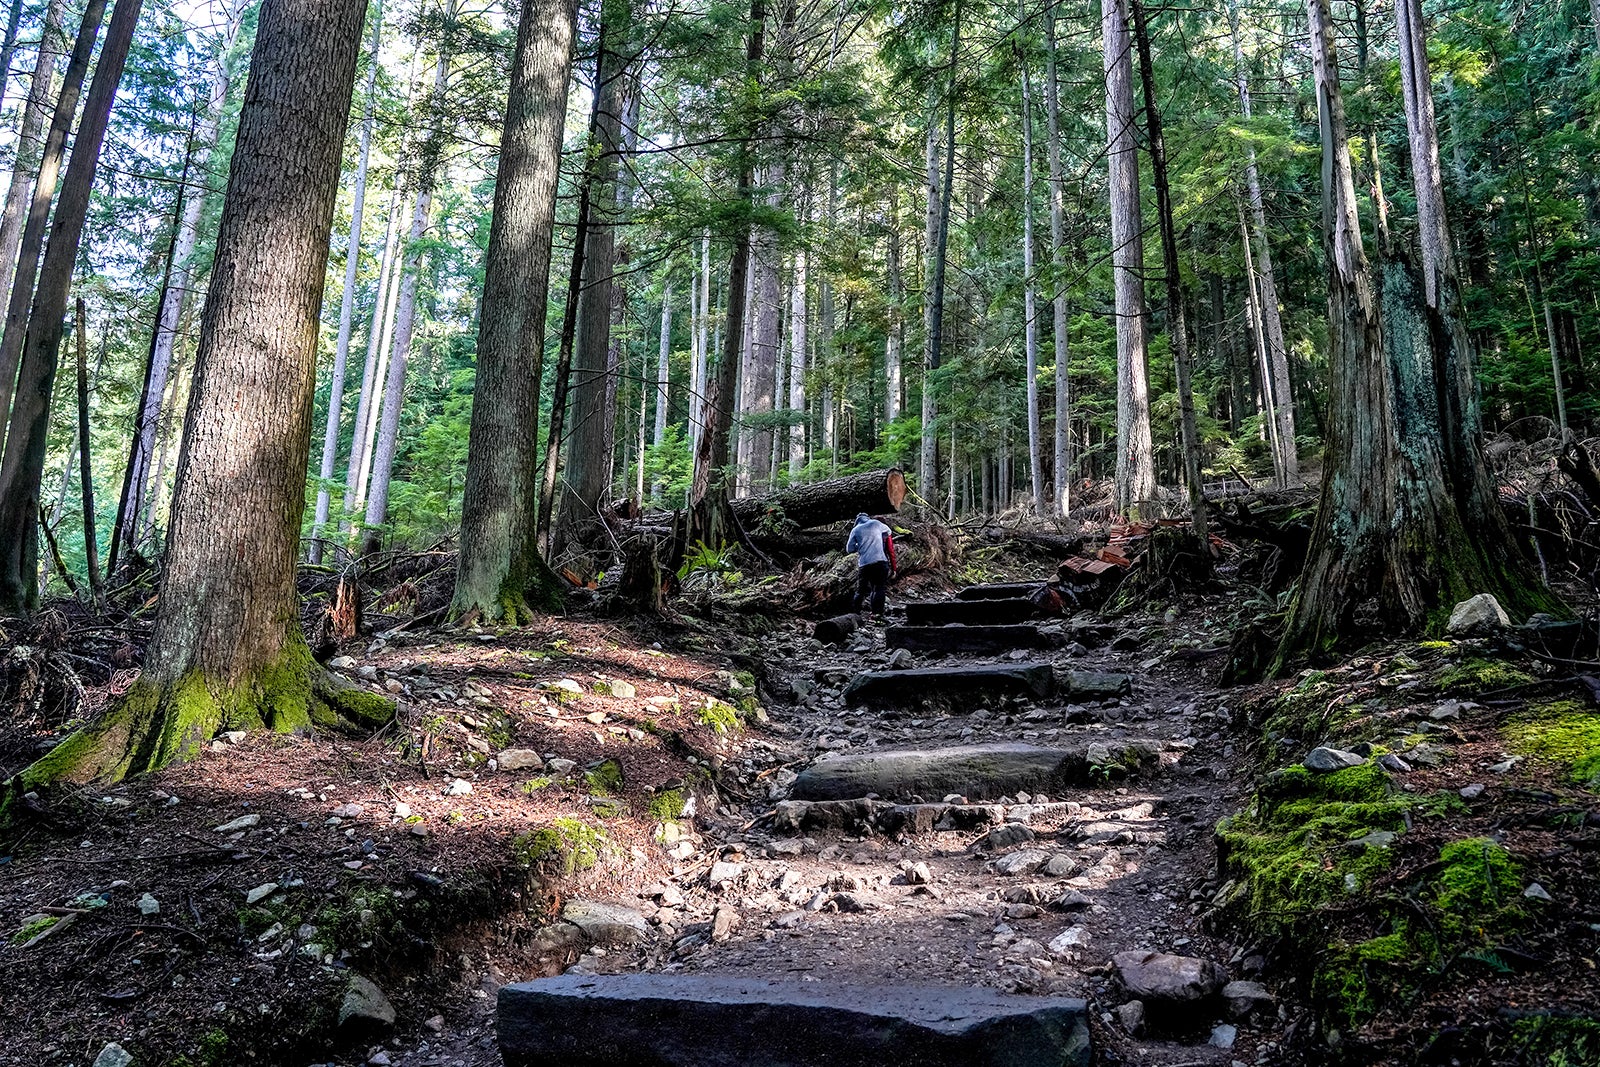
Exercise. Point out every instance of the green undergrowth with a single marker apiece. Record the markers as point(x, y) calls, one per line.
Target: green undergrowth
point(568, 845)
point(1564, 731)
point(667, 805)
point(1550, 1040)
point(1479, 675)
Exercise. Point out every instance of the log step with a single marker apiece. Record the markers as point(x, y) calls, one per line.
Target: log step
point(687, 1021)
point(999, 591)
point(981, 640)
point(970, 612)
point(977, 772)
point(911, 688)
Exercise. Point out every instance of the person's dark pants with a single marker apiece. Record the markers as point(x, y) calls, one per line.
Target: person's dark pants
point(872, 585)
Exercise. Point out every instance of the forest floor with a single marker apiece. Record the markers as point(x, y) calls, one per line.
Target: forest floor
point(215, 912)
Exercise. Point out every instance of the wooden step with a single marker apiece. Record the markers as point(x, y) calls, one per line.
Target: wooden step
point(662, 1020)
point(977, 772)
point(999, 591)
point(970, 612)
point(979, 640)
point(968, 684)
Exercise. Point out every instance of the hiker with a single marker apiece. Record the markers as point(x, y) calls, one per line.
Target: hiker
point(873, 544)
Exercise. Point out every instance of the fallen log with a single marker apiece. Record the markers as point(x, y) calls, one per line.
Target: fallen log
point(979, 640)
point(833, 631)
point(819, 503)
point(977, 772)
point(917, 687)
point(970, 612)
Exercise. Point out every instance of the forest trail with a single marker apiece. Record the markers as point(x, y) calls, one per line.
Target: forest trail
point(1035, 902)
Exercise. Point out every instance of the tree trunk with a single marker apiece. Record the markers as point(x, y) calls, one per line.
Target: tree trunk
point(836, 500)
point(44, 191)
point(91, 547)
point(1063, 442)
point(1409, 523)
point(1258, 337)
point(347, 303)
point(1177, 324)
point(175, 295)
point(927, 457)
point(8, 48)
point(388, 438)
point(227, 649)
point(697, 369)
point(375, 368)
point(935, 302)
point(588, 463)
point(799, 340)
point(22, 469)
point(1135, 479)
point(710, 518)
point(663, 374)
point(760, 384)
point(29, 142)
point(1030, 304)
point(894, 344)
point(500, 572)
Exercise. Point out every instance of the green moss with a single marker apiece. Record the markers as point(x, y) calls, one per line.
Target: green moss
point(533, 785)
point(603, 688)
point(610, 808)
point(1556, 1041)
point(1354, 980)
point(604, 778)
point(667, 805)
point(567, 844)
point(1564, 731)
point(33, 928)
point(1479, 675)
point(1476, 893)
point(721, 717)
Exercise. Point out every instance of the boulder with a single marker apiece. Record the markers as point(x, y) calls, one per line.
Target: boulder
point(1164, 977)
point(978, 772)
point(364, 1006)
point(1023, 861)
point(1324, 760)
point(1480, 615)
point(519, 759)
point(689, 1021)
point(915, 687)
point(605, 924)
point(1248, 1000)
point(113, 1055)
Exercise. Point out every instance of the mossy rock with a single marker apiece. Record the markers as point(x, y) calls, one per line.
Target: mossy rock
point(667, 805)
point(720, 717)
point(1564, 731)
point(604, 778)
point(1479, 675)
point(568, 845)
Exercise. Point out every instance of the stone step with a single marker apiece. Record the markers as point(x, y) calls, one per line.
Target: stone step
point(980, 640)
point(652, 1020)
point(970, 612)
point(915, 687)
point(1096, 685)
point(977, 772)
point(999, 591)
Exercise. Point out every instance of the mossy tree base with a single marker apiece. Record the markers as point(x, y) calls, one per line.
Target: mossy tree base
point(158, 722)
point(530, 588)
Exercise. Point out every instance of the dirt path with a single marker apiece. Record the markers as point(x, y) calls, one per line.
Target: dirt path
point(1129, 862)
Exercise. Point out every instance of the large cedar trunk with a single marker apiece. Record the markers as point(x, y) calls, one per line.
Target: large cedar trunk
point(819, 503)
point(500, 571)
point(227, 650)
point(1408, 523)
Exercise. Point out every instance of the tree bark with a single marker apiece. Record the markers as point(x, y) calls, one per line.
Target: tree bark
point(1135, 477)
point(22, 469)
point(663, 375)
point(1063, 441)
point(347, 302)
point(8, 48)
point(227, 649)
point(894, 344)
point(1030, 303)
point(1409, 522)
point(500, 573)
point(176, 295)
point(1177, 325)
point(375, 367)
point(760, 383)
point(835, 500)
point(589, 447)
point(44, 191)
point(935, 303)
point(29, 143)
point(91, 547)
point(697, 370)
point(799, 341)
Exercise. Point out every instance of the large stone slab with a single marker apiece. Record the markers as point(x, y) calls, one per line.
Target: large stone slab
point(979, 640)
point(999, 591)
point(970, 612)
point(977, 772)
point(917, 687)
point(1097, 685)
point(650, 1020)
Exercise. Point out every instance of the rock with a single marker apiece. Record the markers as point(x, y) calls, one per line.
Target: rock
point(1023, 861)
point(459, 787)
point(689, 1021)
point(1376, 839)
point(364, 1006)
point(243, 822)
point(723, 923)
point(341, 663)
point(977, 772)
point(1060, 865)
point(1426, 755)
point(379, 1058)
point(1004, 837)
point(1223, 1035)
point(349, 811)
point(1131, 1015)
point(901, 660)
point(910, 688)
point(606, 924)
point(623, 690)
point(1505, 765)
point(1324, 760)
point(519, 759)
point(113, 1055)
point(1161, 976)
point(723, 874)
point(1248, 1000)
point(561, 766)
point(261, 892)
point(1480, 615)
point(916, 873)
point(234, 737)
point(1096, 685)
point(1071, 900)
point(565, 686)
point(434, 1023)
point(1472, 792)
point(1535, 891)
point(148, 905)
point(1391, 762)
point(1073, 937)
